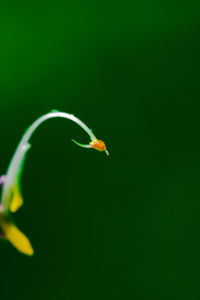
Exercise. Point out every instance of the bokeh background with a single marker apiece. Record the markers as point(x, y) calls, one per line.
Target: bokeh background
point(123, 227)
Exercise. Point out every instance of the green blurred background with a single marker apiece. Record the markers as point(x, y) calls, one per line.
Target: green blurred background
point(123, 227)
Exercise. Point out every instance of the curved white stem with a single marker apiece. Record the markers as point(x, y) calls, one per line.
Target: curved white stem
point(15, 168)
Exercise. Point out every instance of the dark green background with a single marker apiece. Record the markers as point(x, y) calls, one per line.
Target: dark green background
point(123, 227)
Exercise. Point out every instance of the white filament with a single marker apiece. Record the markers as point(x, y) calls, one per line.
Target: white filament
point(16, 165)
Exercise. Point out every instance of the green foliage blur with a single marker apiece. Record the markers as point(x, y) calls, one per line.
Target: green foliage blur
point(123, 227)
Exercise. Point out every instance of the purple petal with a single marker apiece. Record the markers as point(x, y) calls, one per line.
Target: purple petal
point(2, 179)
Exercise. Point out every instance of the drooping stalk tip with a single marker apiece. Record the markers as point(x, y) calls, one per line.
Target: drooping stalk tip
point(95, 144)
point(11, 198)
point(16, 165)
